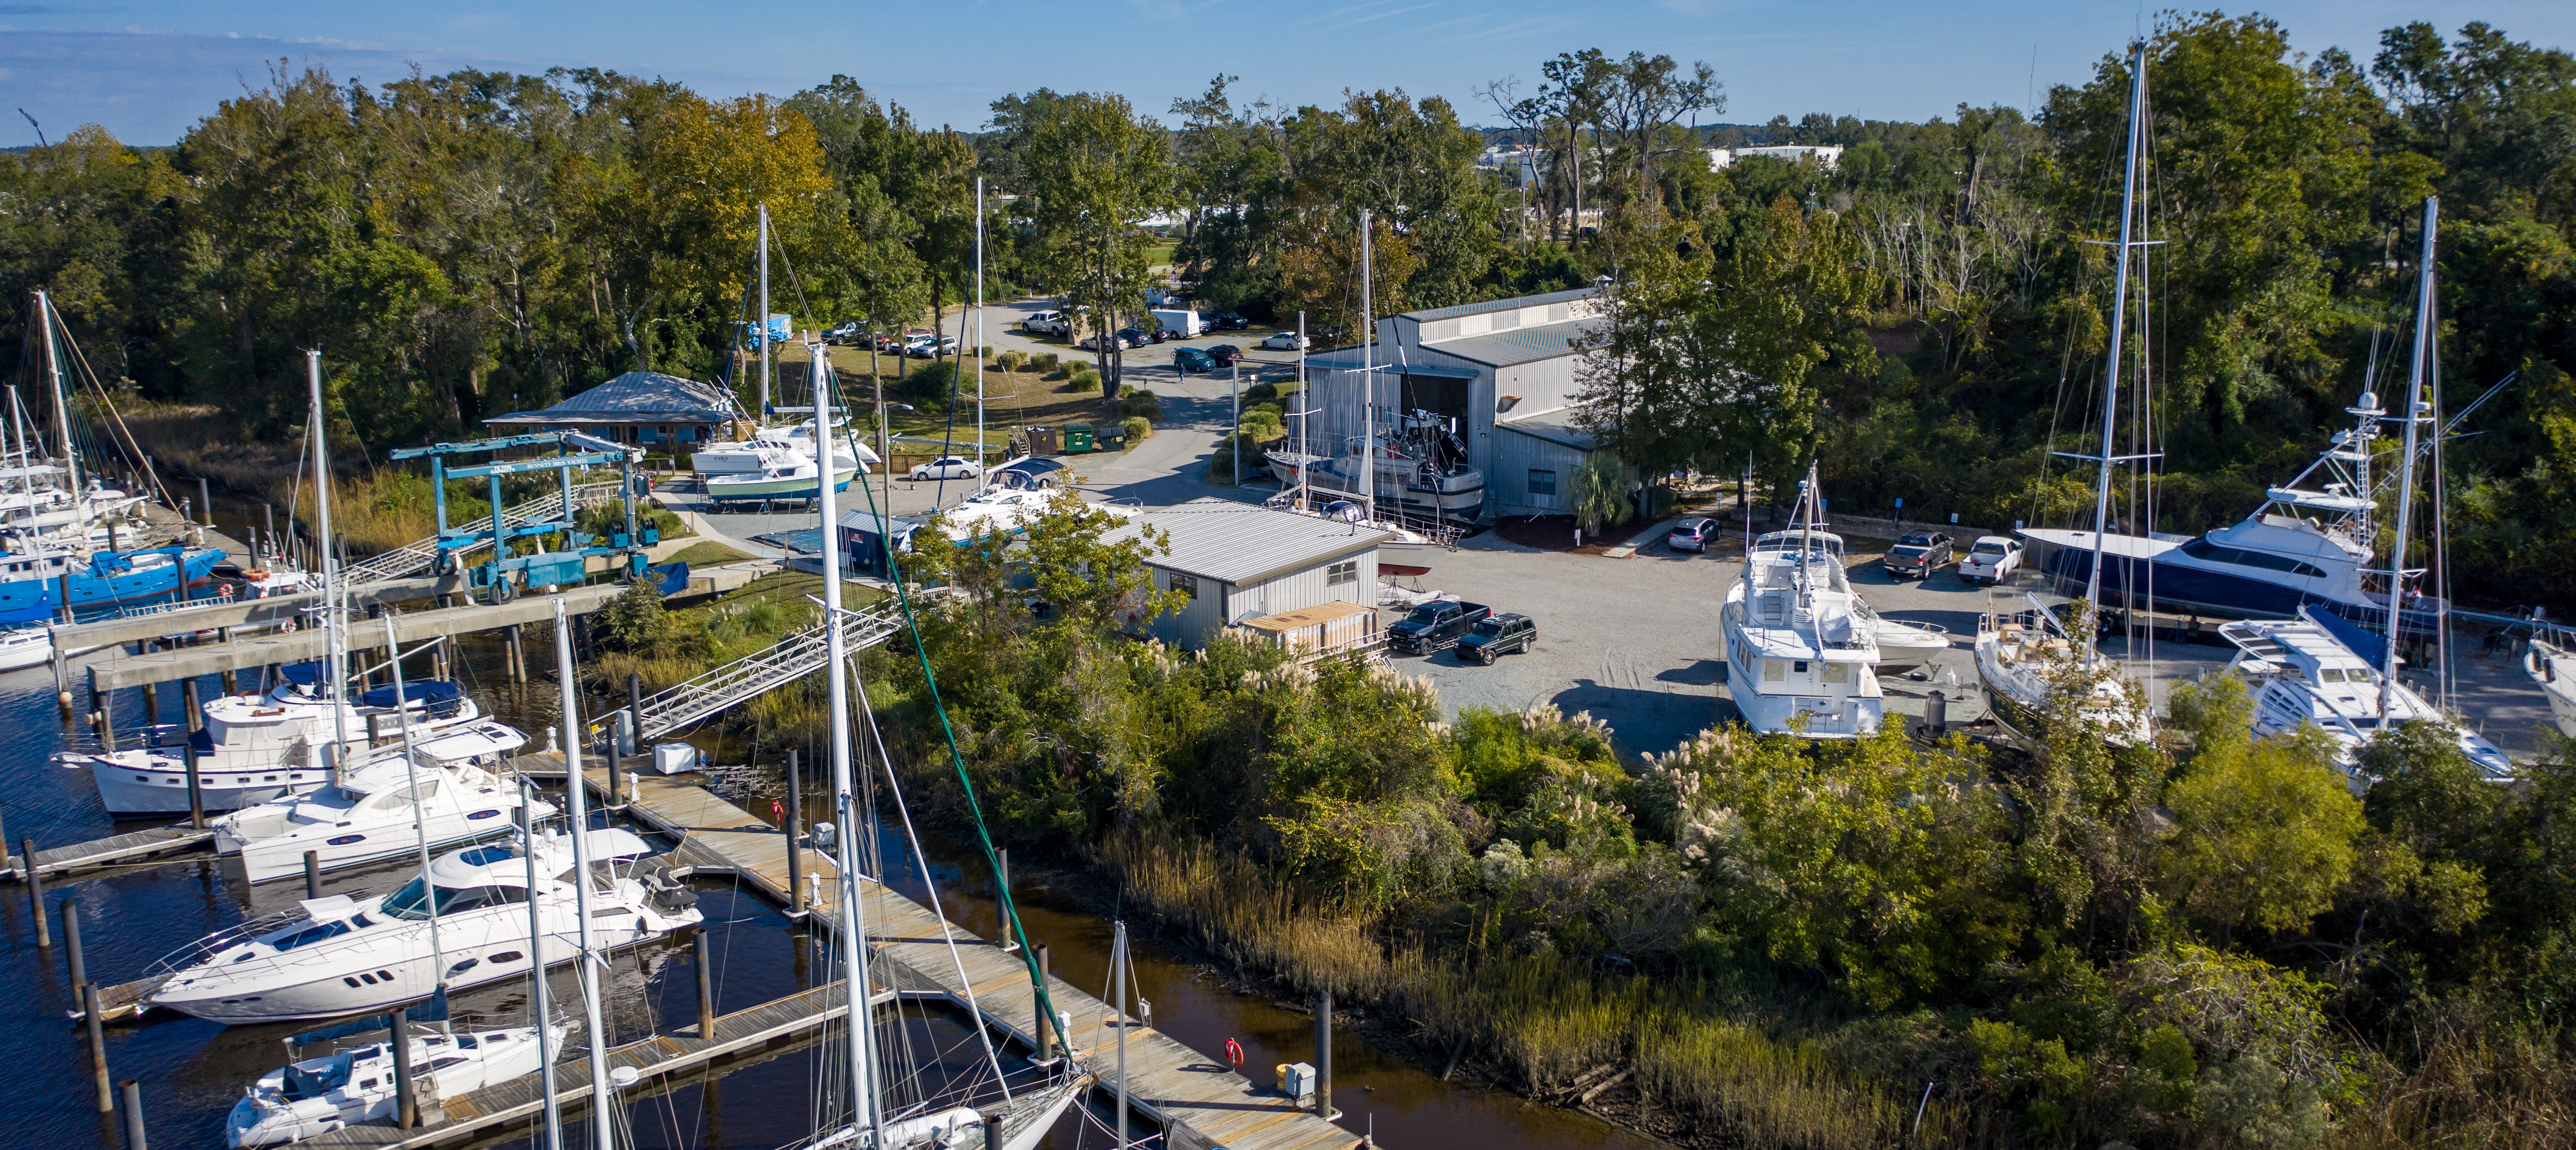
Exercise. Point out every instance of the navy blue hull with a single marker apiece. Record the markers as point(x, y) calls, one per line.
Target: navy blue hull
point(2200, 591)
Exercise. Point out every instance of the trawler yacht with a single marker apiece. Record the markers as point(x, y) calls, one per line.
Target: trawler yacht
point(1800, 644)
point(319, 1095)
point(256, 748)
point(445, 787)
point(2305, 672)
point(2552, 666)
point(346, 955)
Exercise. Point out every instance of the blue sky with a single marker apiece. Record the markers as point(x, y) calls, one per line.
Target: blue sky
point(147, 69)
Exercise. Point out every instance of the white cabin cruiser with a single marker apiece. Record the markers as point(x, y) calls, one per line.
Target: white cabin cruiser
point(1800, 644)
point(1902, 645)
point(449, 788)
point(346, 955)
point(2552, 665)
point(319, 1095)
point(2304, 672)
point(255, 748)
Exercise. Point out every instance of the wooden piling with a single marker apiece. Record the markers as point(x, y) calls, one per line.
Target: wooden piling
point(406, 1107)
point(312, 874)
point(1045, 1026)
point(96, 1020)
point(706, 985)
point(196, 787)
point(1324, 1056)
point(151, 703)
point(194, 718)
point(134, 1116)
point(72, 949)
point(35, 891)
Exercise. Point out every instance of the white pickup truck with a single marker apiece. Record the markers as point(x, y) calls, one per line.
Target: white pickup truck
point(1991, 559)
point(1048, 322)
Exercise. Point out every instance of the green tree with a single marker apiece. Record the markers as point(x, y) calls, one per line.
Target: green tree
point(2263, 835)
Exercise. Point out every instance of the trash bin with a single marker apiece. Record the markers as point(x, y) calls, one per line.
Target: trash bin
point(1078, 439)
point(1042, 442)
point(1113, 438)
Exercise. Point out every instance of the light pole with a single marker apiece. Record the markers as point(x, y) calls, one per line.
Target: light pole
point(1234, 388)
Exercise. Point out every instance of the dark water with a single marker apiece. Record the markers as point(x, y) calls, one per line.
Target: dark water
point(192, 1070)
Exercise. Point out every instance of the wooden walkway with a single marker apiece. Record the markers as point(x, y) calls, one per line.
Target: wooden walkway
point(1199, 1101)
point(52, 863)
point(310, 643)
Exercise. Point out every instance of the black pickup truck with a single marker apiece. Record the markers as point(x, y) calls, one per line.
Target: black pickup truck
point(1435, 625)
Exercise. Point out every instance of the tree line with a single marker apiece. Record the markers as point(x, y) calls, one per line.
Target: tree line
point(1926, 314)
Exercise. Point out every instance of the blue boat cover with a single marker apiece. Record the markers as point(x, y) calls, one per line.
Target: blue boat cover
point(431, 691)
point(2370, 645)
point(669, 578)
point(305, 674)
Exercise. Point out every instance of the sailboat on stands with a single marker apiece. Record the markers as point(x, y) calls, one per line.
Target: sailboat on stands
point(2027, 659)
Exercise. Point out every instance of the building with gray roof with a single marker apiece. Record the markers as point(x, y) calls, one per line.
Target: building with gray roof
point(1238, 561)
point(645, 408)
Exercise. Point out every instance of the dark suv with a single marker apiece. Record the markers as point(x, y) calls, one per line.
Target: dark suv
point(1918, 555)
point(1434, 625)
point(1496, 637)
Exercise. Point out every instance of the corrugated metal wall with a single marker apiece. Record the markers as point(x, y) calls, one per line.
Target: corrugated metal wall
point(1218, 605)
point(1507, 485)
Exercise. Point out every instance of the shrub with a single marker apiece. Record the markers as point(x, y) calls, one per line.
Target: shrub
point(635, 620)
point(1083, 379)
point(1138, 428)
point(1264, 390)
point(1142, 402)
point(1010, 360)
point(930, 386)
point(1043, 361)
point(984, 351)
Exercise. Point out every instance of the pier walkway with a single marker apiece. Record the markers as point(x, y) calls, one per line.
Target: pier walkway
point(751, 676)
point(1197, 1100)
point(134, 846)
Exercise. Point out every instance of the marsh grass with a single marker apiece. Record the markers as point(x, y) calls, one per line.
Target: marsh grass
point(1544, 1021)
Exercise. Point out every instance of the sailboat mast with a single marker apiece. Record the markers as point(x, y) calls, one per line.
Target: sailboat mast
point(26, 478)
point(335, 665)
point(62, 406)
point(2414, 416)
point(537, 967)
point(2119, 327)
point(420, 818)
point(1368, 374)
point(577, 814)
point(979, 324)
point(854, 951)
point(1118, 978)
point(760, 322)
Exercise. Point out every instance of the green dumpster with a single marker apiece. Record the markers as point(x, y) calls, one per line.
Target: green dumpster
point(1078, 439)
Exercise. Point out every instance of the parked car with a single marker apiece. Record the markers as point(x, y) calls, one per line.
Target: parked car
point(1919, 555)
point(1227, 321)
point(1991, 559)
point(1691, 535)
point(1434, 625)
point(841, 333)
point(932, 348)
point(1284, 341)
point(948, 467)
point(1497, 636)
point(1225, 354)
point(1159, 335)
point(889, 341)
point(1049, 322)
point(1191, 359)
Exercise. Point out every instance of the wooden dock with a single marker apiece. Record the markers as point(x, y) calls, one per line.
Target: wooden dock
point(1199, 1102)
point(311, 643)
point(111, 851)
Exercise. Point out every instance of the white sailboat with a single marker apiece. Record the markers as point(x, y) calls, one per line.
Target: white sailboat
point(2551, 663)
point(1800, 643)
point(2303, 673)
point(318, 1095)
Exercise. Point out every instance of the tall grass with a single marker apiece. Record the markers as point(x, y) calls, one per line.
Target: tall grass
point(1547, 1022)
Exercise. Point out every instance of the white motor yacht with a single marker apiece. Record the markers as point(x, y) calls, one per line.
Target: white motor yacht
point(319, 1095)
point(2305, 673)
point(449, 787)
point(255, 748)
point(2553, 666)
point(345, 955)
point(1800, 644)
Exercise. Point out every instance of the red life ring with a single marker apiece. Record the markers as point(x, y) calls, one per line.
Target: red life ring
point(287, 627)
point(1233, 1052)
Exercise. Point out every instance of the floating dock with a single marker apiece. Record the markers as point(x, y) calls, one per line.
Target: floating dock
point(114, 850)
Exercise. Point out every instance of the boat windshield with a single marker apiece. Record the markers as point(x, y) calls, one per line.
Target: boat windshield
point(406, 903)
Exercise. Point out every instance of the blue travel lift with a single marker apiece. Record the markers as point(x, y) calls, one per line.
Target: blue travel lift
point(504, 576)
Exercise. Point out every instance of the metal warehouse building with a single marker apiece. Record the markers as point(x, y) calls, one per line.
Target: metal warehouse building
point(1236, 562)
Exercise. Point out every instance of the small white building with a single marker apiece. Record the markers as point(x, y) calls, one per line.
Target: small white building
point(1236, 561)
point(1827, 155)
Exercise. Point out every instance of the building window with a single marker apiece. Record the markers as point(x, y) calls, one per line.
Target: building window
point(1346, 571)
point(1185, 584)
point(1542, 488)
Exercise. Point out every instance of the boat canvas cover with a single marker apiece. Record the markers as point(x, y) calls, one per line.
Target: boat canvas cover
point(428, 691)
point(2370, 646)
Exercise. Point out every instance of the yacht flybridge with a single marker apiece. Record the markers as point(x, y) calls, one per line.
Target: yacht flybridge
point(346, 955)
point(1800, 643)
point(2305, 672)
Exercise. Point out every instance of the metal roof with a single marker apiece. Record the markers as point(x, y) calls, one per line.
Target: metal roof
point(1555, 425)
point(1240, 544)
point(1518, 345)
point(1348, 359)
point(635, 397)
point(1429, 314)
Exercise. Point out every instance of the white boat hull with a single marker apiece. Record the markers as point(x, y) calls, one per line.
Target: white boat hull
point(2554, 671)
point(285, 1107)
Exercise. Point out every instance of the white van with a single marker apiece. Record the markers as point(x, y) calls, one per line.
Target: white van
point(1182, 322)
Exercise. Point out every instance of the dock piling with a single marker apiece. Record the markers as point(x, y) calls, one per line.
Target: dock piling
point(35, 891)
point(196, 787)
point(232, 677)
point(406, 1108)
point(312, 874)
point(795, 812)
point(72, 949)
point(151, 703)
point(194, 718)
point(205, 501)
point(1046, 1034)
point(616, 763)
point(1324, 1056)
point(992, 1132)
point(97, 1022)
point(134, 1116)
point(706, 985)
point(635, 711)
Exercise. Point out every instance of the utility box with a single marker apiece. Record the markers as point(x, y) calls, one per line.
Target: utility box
point(674, 758)
point(1297, 1080)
